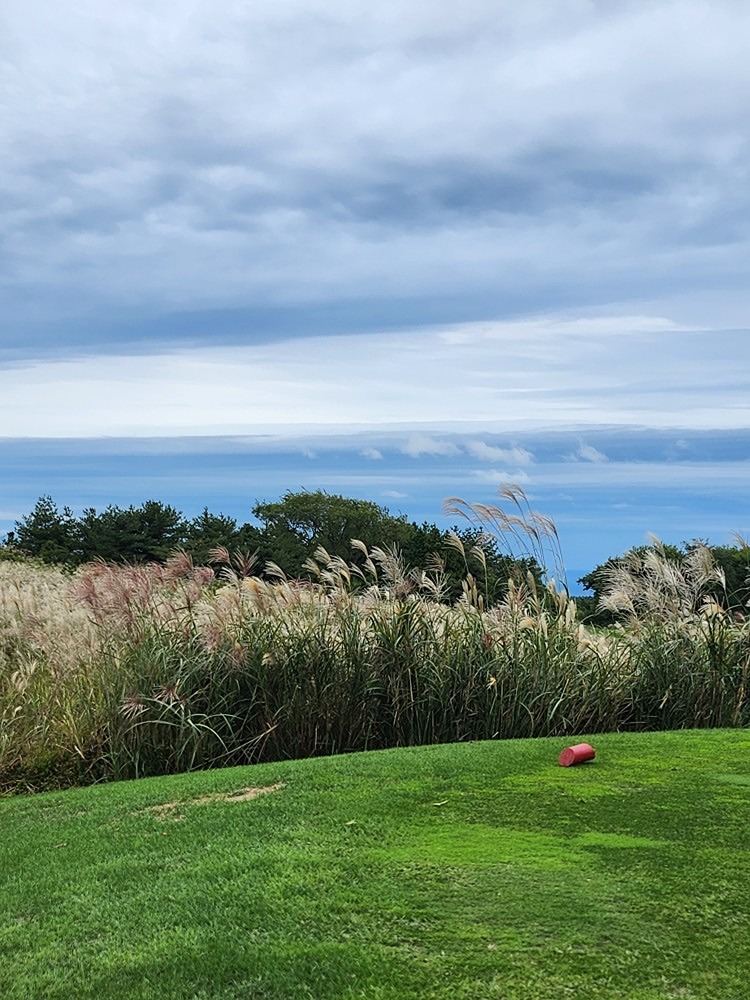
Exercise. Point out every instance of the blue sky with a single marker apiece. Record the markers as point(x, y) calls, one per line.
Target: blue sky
point(397, 251)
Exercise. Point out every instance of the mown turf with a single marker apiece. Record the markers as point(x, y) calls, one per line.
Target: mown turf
point(475, 872)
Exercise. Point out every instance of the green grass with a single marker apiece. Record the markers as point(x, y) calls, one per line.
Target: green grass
point(477, 872)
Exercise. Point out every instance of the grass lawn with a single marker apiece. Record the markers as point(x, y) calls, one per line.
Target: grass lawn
point(476, 872)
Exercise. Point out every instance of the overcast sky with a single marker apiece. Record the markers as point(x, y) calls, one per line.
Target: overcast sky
point(401, 251)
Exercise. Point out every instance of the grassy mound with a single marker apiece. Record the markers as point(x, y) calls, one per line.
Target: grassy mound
point(476, 872)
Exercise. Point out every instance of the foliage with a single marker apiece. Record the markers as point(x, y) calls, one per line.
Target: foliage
point(48, 533)
point(734, 562)
point(10, 553)
point(289, 532)
point(518, 531)
point(208, 532)
point(134, 534)
point(296, 525)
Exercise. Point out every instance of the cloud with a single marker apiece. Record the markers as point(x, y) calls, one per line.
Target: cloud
point(203, 158)
point(667, 476)
point(418, 445)
point(372, 453)
point(587, 453)
point(519, 380)
point(500, 477)
point(489, 453)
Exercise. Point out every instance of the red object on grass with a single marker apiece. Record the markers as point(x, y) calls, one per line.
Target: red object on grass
point(577, 754)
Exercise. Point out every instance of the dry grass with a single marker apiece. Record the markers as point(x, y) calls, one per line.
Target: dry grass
point(174, 810)
point(652, 585)
point(41, 618)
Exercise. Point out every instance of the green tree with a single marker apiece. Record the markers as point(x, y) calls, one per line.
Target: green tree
point(134, 534)
point(48, 533)
point(207, 532)
point(293, 527)
point(296, 525)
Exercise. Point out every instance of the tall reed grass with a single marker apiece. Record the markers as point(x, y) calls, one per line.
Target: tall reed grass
point(120, 671)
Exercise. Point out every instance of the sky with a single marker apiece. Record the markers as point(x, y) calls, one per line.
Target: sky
point(401, 252)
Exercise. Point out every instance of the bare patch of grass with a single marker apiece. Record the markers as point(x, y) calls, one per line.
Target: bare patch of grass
point(171, 810)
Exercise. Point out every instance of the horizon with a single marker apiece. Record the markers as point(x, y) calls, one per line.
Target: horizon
point(191, 474)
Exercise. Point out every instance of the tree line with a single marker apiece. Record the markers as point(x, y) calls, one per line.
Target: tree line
point(286, 532)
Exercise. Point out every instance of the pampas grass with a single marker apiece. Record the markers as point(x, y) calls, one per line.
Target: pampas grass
point(122, 671)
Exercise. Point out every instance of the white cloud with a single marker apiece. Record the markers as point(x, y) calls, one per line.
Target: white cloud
point(421, 444)
point(489, 453)
point(565, 328)
point(394, 494)
point(587, 453)
point(372, 453)
point(310, 386)
point(500, 477)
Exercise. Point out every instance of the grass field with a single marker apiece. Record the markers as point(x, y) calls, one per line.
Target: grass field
point(478, 872)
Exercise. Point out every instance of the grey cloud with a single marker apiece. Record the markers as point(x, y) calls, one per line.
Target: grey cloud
point(481, 161)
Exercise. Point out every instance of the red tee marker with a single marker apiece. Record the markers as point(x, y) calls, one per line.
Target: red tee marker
point(577, 754)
